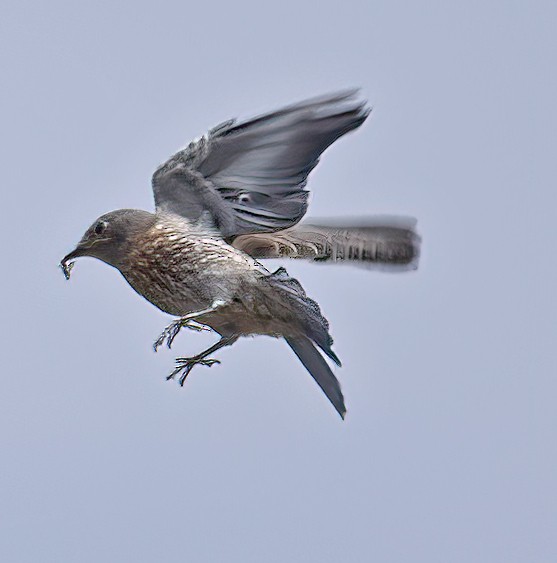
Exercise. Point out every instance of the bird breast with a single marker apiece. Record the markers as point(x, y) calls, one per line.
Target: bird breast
point(180, 271)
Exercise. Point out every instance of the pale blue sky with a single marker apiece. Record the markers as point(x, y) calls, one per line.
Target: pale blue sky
point(448, 452)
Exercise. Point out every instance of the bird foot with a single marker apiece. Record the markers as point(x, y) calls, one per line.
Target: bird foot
point(185, 365)
point(172, 330)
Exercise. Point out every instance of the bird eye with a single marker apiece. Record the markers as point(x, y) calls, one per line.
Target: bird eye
point(100, 227)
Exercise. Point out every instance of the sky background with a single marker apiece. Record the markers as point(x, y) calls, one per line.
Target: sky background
point(448, 451)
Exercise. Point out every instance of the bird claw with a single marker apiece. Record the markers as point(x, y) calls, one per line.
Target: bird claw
point(185, 365)
point(172, 330)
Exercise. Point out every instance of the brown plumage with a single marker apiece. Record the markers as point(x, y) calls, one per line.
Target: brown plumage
point(227, 199)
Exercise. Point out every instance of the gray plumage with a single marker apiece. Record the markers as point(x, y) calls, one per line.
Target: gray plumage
point(250, 177)
point(233, 196)
point(384, 243)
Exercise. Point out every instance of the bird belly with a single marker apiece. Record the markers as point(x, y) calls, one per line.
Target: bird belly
point(166, 294)
point(182, 274)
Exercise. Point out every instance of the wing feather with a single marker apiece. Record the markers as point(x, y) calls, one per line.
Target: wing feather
point(257, 168)
point(389, 243)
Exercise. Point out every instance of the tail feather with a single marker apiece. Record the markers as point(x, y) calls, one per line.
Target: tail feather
point(314, 324)
point(319, 370)
point(312, 330)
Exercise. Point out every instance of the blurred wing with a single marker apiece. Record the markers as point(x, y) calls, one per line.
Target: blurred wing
point(250, 177)
point(381, 243)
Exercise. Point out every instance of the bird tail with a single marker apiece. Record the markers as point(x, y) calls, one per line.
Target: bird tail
point(313, 328)
point(307, 312)
point(319, 369)
point(385, 243)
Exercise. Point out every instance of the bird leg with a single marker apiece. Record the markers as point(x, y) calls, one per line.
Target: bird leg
point(172, 330)
point(187, 321)
point(185, 365)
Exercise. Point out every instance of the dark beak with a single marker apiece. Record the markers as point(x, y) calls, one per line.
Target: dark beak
point(67, 262)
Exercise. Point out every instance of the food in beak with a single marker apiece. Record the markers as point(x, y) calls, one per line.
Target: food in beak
point(66, 267)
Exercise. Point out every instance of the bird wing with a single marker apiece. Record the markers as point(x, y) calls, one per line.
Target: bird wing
point(389, 243)
point(250, 177)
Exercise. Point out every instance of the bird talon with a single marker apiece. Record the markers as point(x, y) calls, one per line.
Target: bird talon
point(185, 365)
point(172, 334)
point(172, 330)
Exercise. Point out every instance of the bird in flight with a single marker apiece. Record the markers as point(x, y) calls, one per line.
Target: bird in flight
point(233, 197)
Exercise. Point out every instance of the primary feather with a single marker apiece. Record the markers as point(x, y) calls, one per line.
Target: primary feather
point(380, 242)
point(250, 177)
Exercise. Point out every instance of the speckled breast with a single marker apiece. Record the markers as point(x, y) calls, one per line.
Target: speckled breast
point(180, 271)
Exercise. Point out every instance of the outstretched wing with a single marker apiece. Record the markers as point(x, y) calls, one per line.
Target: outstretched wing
point(385, 243)
point(250, 177)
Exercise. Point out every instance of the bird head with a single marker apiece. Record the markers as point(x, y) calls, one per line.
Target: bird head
point(107, 238)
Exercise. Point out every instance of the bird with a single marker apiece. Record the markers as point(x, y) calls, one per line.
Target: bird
point(231, 198)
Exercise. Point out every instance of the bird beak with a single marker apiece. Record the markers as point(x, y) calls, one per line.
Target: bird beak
point(66, 263)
